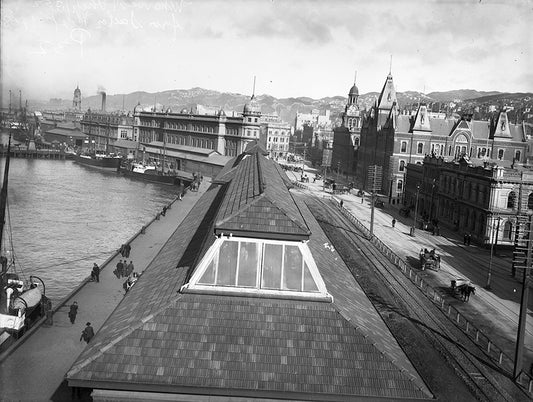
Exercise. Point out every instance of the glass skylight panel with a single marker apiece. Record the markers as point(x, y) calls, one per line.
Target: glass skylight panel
point(260, 266)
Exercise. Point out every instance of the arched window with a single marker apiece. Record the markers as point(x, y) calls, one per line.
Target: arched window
point(511, 200)
point(517, 155)
point(530, 201)
point(399, 186)
point(402, 166)
point(420, 147)
point(500, 154)
point(507, 230)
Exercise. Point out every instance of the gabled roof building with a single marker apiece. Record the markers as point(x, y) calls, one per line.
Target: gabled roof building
point(392, 140)
point(247, 301)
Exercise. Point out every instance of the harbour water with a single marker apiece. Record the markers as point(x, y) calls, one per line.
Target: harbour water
point(62, 217)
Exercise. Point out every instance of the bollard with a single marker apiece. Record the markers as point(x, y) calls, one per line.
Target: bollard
point(477, 335)
point(467, 326)
point(530, 386)
point(449, 310)
point(442, 305)
point(458, 318)
point(500, 359)
point(488, 348)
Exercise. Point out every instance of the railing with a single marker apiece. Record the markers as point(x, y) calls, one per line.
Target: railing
point(486, 344)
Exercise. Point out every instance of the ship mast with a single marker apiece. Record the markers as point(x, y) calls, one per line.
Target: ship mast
point(3, 205)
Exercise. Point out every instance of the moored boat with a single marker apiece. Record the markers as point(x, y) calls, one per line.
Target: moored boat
point(146, 172)
point(21, 302)
point(99, 160)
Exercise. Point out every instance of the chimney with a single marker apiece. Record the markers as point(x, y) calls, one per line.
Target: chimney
point(103, 101)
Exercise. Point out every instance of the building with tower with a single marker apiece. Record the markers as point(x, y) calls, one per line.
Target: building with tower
point(391, 141)
point(76, 101)
point(195, 142)
point(346, 137)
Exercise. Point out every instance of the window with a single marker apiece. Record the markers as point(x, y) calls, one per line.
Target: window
point(402, 166)
point(403, 147)
point(500, 154)
point(530, 201)
point(399, 186)
point(258, 266)
point(507, 230)
point(517, 155)
point(420, 148)
point(511, 200)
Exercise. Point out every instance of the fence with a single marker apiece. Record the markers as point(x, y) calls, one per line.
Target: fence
point(495, 353)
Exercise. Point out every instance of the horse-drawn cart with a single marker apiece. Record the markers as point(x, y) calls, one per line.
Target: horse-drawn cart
point(463, 287)
point(429, 260)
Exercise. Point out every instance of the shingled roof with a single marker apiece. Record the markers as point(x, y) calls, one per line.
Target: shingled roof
point(258, 204)
point(162, 340)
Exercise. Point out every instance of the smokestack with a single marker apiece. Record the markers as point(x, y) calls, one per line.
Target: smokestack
point(103, 101)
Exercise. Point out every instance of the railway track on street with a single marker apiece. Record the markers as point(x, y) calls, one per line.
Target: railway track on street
point(401, 303)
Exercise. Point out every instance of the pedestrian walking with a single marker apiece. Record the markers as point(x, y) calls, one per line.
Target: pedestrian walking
point(393, 222)
point(164, 211)
point(465, 239)
point(129, 269)
point(342, 203)
point(127, 250)
point(122, 250)
point(73, 312)
point(120, 269)
point(88, 333)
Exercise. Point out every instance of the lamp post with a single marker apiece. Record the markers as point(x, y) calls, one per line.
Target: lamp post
point(489, 274)
point(416, 210)
point(303, 163)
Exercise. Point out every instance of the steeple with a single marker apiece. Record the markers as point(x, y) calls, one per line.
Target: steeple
point(76, 101)
point(387, 98)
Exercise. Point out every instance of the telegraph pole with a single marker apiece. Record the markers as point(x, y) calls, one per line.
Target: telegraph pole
point(519, 351)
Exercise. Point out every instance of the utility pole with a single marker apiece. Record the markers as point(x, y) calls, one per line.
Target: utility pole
point(519, 351)
point(303, 164)
point(372, 214)
point(489, 274)
point(413, 228)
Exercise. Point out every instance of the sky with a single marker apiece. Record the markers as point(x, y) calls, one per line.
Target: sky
point(293, 48)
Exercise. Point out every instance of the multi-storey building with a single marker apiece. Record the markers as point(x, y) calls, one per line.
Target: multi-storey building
point(277, 136)
point(391, 140)
point(315, 119)
point(197, 142)
point(108, 131)
point(346, 137)
point(483, 200)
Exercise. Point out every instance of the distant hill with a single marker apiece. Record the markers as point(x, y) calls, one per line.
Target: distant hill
point(459, 94)
point(286, 108)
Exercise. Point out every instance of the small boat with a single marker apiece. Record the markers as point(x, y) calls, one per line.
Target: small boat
point(99, 160)
point(22, 302)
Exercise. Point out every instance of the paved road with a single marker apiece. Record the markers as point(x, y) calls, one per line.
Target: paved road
point(35, 370)
point(495, 312)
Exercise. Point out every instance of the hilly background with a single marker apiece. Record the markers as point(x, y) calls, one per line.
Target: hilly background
point(286, 108)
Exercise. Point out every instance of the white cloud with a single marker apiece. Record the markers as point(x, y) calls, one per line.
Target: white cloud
point(295, 48)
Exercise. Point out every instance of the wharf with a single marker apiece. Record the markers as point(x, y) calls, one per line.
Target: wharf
point(35, 370)
point(36, 154)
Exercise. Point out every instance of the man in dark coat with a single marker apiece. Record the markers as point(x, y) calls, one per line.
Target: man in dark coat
point(87, 333)
point(73, 312)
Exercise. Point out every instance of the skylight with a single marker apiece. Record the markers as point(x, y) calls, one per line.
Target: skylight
point(256, 266)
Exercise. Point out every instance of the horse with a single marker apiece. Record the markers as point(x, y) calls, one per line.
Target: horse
point(466, 290)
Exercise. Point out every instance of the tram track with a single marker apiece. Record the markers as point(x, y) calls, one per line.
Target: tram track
point(485, 380)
